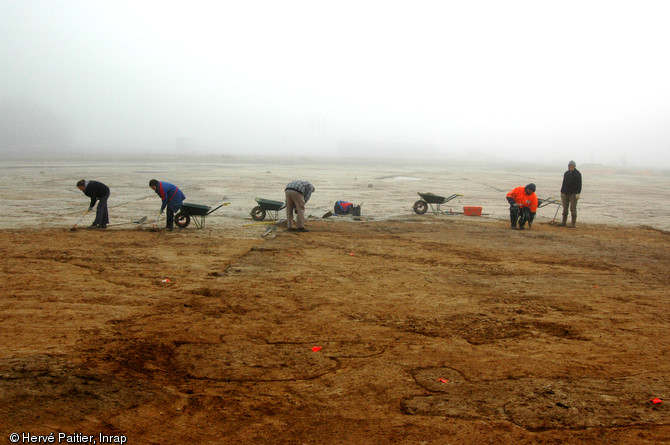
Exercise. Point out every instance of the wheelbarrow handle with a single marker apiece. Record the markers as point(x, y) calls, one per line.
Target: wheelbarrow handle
point(217, 208)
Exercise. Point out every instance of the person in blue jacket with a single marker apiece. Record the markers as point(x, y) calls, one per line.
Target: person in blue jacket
point(172, 199)
point(98, 192)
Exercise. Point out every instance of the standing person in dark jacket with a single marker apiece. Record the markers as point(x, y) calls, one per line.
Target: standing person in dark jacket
point(297, 193)
point(97, 191)
point(570, 191)
point(171, 196)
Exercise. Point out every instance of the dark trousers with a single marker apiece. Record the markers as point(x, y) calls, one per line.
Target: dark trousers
point(101, 215)
point(522, 215)
point(170, 218)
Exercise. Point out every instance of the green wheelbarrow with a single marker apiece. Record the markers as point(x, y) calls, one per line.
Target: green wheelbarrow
point(267, 207)
point(432, 200)
point(196, 212)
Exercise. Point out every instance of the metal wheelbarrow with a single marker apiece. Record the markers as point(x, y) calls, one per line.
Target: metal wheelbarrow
point(267, 207)
point(196, 212)
point(432, 200)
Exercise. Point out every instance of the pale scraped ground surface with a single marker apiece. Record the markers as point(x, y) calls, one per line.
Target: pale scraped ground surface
point(432, 329)
point(43, 194)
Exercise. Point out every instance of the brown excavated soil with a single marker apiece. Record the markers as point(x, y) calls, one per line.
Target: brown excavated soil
point(431, 331)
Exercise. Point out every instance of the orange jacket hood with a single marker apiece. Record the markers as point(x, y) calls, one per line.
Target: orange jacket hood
point(520, 197)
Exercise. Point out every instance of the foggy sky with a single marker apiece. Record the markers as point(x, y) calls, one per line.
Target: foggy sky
point(532, 80)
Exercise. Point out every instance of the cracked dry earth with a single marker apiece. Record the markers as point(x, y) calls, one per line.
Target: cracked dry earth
point(431, 331)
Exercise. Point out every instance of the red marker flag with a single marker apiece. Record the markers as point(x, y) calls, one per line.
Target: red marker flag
point(316, 348)
point(656, 400)
point(443, 380)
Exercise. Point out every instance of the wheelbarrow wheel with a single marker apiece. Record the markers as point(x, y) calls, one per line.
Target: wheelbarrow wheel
point(420, 207)
point(182, 220)
point(258, 213)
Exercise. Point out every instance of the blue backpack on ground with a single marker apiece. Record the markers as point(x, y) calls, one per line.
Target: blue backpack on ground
point(347, 208)
point(343, 207)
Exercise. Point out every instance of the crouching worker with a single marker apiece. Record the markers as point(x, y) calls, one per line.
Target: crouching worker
point(523, 205)
point(172, 198)
point(99, 192)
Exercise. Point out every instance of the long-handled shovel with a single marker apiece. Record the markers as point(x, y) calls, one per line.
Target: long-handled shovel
point(156, 222)
point(79, 220)
point(139, 221)
point(556, 214)
point(264, 223)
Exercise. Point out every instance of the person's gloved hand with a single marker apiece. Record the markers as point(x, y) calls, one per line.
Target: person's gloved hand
point(577, 196)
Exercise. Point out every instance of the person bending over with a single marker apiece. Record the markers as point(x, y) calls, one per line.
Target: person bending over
point(172, 198)
point(99, 192)
point(297, 193)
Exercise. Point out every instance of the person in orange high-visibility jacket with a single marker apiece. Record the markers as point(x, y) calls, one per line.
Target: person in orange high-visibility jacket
point(523, 205)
